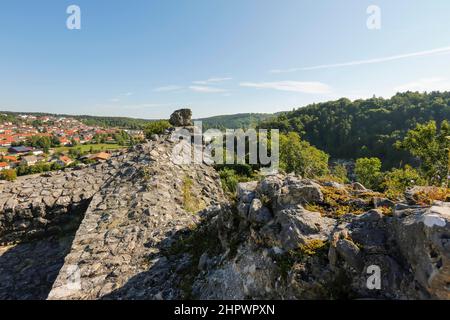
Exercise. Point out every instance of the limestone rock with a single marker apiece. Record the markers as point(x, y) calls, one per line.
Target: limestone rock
point(296, 191)
point(258, 213)
point(181, 118)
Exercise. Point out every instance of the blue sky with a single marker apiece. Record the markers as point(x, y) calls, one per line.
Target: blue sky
point(147, 58)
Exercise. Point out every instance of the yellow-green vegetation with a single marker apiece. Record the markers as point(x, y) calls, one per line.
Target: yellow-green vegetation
point(336, 202)
point(313, 248)
point(387, 211)
point(428, 195)
point(190, 202)
point(8, 175)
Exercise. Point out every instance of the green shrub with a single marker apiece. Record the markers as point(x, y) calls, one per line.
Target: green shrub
point(156, 127)
point(230, 179)
point(368, 172)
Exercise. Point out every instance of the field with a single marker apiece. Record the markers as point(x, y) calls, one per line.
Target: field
point(95, 147)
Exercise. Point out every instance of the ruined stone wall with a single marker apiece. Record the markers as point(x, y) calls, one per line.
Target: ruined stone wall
point(117, 251)
point(36, 205)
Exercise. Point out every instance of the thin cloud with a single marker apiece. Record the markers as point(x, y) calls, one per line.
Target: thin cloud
point(117, 99)
point(212, 80)
point(206, 89)
point(168, 88)
point(293, 86)
point(426, 84)
point(444, 50)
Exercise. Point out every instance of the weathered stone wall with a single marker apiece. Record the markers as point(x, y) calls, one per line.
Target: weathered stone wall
point(128, 223)
point(34, 206)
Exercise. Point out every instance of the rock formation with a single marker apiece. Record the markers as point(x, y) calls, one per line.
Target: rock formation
point(284, 251)
point(140, 226)
point(181, 118)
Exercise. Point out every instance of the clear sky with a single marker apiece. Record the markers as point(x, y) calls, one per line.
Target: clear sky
point(147, 58)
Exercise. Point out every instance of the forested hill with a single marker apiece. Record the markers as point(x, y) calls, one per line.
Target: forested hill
point(363, 128)
point(235, 121)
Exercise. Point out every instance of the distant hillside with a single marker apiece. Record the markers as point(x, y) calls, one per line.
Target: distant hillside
point(120, 122)
point(361, 128)
point(244, 120)
point(235, 121)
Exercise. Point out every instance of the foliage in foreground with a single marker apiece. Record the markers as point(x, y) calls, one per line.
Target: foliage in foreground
point(156, 127)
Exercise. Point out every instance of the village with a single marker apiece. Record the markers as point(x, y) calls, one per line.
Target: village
point(32, 144)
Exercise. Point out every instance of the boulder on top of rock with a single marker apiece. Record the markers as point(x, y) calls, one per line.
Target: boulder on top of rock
point(181, 118)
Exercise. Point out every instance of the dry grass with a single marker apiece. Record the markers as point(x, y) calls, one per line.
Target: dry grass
point(432, 194)
point(191, 203)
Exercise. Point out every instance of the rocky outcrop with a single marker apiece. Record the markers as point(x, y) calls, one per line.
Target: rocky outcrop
point(295, 253)
point(142, 227)
point(181, 118)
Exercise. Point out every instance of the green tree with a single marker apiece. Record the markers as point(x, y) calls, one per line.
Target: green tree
point(432, 146)
point(156, 127)
point(368, 172)
point(398, 180)
point(301, 158)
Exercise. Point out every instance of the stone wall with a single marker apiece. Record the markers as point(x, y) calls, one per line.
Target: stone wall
point(129, 222)
point(36, 205)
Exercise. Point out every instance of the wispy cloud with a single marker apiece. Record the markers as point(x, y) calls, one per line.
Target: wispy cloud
point(168, 88)
point(426, 84)
point(212, 80)
point(206, 89)
point(117, 99)
point(294, 86)
point(444, 50)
